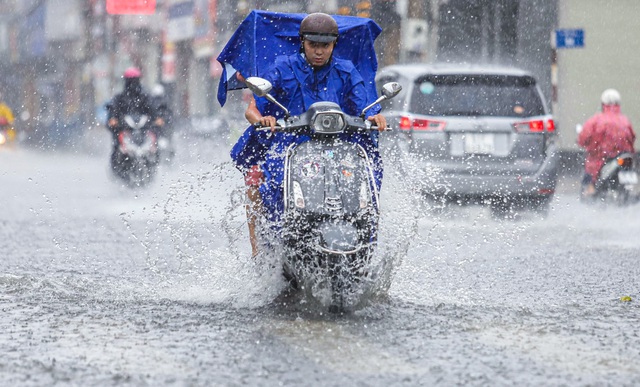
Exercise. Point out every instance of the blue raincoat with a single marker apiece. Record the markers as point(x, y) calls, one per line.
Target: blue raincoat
point(263, 36)
point(296, 85)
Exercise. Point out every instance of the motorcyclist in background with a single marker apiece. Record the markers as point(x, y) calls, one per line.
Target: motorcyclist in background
point(132, 98)
point(6, 115)
point(604, 136)
point(298, 81)
point(6, 122)
point(164, 113)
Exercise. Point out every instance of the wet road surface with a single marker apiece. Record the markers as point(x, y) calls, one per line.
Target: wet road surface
point(103, 285)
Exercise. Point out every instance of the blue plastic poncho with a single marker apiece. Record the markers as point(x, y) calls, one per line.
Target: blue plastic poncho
point(263, 36)
point(297, 86)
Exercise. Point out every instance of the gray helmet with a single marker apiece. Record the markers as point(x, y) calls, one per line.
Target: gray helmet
point(319, 27)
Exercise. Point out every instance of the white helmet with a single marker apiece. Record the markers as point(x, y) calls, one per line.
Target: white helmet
point(610, 97)
point(157, 90)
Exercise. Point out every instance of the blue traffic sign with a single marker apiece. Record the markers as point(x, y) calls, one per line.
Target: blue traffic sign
point(570, 38)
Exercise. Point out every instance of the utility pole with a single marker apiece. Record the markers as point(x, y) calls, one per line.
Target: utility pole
point(87, 94)
point(388, 43)
point(415, 31)
point(416, 9)
point(434, 29)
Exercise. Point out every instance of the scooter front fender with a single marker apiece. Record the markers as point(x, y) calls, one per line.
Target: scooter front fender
point(338, 237)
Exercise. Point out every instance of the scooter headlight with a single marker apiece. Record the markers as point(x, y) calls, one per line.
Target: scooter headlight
point(365, 196)
point(328, 122)
point(298, 198)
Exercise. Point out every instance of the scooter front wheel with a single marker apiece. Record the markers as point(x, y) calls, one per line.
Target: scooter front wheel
point(341, 278)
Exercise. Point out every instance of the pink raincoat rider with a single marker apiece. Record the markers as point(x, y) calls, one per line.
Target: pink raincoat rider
point(606, 134)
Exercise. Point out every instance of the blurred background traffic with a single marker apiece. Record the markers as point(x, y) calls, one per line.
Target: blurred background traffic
point(62, 60)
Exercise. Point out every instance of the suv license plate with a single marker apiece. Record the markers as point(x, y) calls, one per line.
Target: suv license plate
point(479, 143)
point(628, 177)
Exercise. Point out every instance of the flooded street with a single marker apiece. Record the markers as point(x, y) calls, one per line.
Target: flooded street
point(104, 285)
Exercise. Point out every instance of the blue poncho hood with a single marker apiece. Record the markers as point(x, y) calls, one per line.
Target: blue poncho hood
point(263, 36)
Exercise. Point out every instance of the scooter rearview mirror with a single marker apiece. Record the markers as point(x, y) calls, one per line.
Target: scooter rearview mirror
point(258, 86)
point(261, 87)
point(391, 89)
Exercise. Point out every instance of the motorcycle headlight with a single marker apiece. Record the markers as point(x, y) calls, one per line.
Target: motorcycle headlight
point(142, 121)
point(328, 122)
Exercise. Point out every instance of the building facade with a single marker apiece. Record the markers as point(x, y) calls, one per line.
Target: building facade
point(62, 60)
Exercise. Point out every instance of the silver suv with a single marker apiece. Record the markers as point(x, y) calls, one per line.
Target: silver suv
point(486, 131)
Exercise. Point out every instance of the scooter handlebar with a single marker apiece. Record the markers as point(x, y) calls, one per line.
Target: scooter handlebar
point(262, 128)
point(375, 128)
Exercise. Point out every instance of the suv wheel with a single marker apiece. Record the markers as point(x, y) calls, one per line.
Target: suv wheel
point(502, 208)
point(540, 204)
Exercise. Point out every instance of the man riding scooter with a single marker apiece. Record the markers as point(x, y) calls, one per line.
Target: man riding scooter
point(604, 136)
point(132, 98)
point(325, 78)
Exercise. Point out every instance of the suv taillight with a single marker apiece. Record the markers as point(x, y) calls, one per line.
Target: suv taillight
point(406, 123)
point(535, 126)
point(551, 126)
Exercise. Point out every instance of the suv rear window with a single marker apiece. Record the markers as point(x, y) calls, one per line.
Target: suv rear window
point(476, 95)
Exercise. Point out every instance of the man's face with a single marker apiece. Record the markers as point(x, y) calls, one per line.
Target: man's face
point(318, 53)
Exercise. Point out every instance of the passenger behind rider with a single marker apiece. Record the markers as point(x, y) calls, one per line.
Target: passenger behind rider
point(299, 80)
point(132, 98)
point(163, 110)
point(604, 136)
